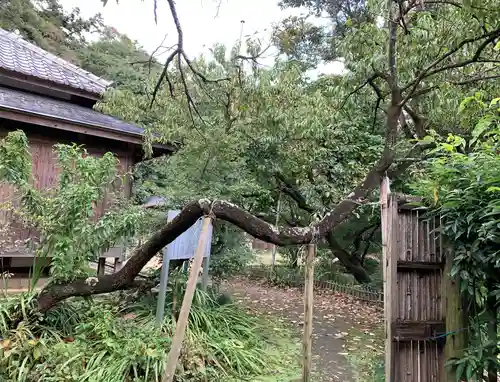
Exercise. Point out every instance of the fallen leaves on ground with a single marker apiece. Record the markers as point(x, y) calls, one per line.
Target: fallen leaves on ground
point(336, 316)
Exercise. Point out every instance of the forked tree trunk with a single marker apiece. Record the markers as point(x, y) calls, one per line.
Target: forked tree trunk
point(349, 261)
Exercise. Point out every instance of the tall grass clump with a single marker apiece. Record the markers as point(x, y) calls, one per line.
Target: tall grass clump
point(110, 339)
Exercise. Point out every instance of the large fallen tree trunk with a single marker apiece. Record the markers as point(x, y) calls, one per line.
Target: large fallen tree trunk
point(258, 228)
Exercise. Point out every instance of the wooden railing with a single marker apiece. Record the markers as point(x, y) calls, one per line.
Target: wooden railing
point(281, 275)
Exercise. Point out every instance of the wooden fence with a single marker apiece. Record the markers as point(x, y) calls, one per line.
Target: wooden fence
point(413, 288)
point(289, 277)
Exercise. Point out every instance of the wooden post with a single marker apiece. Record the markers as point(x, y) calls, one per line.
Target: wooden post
point(384, 213)
point(118, 264)
point(456, 319)
point(101, 266)
point(180, 328)
point(308, 313)
point(273, 256)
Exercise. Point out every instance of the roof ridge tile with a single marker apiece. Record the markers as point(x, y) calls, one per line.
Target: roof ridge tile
point(81, 75)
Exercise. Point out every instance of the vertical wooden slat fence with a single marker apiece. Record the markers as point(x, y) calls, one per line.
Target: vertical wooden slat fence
point(414, 303)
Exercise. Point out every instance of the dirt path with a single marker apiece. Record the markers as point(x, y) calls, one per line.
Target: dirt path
point(334, 316)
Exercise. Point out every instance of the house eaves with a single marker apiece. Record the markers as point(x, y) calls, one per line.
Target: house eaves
point(20, 56)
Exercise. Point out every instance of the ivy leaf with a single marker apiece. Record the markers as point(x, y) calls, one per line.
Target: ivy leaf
point(483, 125)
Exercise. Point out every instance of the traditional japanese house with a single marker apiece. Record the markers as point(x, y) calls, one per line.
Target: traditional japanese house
point(52, 101)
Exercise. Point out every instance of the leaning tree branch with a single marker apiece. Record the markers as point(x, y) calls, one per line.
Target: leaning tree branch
point(464, 82)
point(357, 89)
point(418, 121)
point(289, 189)
point(282, 236)
point(231, 213)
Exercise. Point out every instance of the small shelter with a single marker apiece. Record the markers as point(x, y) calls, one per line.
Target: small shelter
point(52, 101)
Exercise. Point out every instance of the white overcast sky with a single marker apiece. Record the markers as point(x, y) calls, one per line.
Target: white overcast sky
point(204, 23)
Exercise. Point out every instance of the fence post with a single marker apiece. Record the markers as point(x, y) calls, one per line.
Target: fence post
point(180, 327)
point(273, 257)
point(308, 313)
point(206, 267)
point(160, 305)
point(386, 227)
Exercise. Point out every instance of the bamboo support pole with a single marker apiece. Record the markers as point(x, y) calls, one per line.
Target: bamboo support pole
point(180, 328)
point(308, 313)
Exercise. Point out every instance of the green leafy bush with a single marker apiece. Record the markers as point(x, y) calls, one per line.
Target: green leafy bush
point(108, 339)
point(66, 215)
point(229, 255)
point(461, 183)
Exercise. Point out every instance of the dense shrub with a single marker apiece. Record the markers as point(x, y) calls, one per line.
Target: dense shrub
point(108, 339)
point(230, 254)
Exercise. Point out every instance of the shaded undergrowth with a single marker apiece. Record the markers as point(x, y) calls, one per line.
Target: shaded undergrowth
point(112, 339)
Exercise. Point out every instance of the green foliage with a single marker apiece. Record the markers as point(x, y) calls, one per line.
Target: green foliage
point(71, 229)
point(47, 25)
point(461, 182)
point(114, 340)
point(230, 253)
point(15, 161)
point(116, 57)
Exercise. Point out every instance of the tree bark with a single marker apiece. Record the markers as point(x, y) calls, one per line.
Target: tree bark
point(352, 263)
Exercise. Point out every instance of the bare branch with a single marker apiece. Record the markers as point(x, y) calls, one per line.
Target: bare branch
point(180, 54)
point(468, 81)
point(357, 89)
point(254, 58)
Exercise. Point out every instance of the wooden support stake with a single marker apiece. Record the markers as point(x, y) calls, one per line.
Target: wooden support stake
point(101, 266)
point(118, 264)
point(180, 327)
point(308, 313)
point(386, 226)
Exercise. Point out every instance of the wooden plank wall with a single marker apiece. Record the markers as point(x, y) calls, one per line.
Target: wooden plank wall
point(414, 303)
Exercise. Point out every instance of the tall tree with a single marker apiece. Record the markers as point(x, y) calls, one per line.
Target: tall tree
point(403, 67)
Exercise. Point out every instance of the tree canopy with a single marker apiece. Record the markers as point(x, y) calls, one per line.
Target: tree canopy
point(250, 135)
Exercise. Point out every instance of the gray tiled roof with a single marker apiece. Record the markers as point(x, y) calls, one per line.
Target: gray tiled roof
point(20, 56)
point(14, 100)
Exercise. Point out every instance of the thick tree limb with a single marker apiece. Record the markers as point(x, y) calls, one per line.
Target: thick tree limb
point(229, 212)
point(249, 223)
point(350, 262)
point(289, 189)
